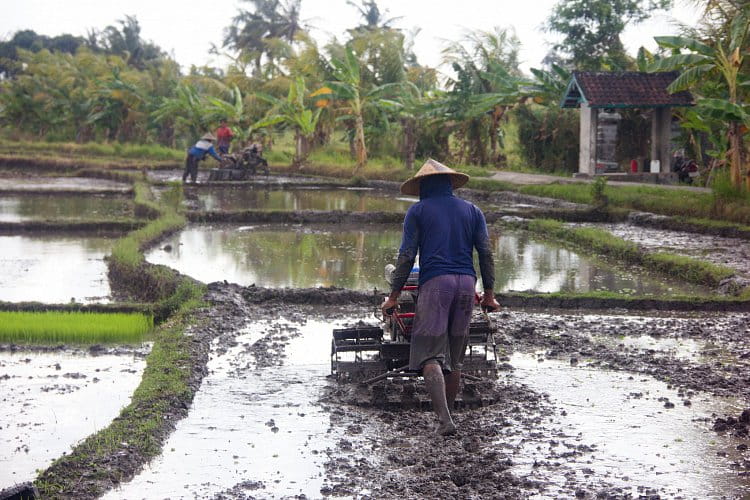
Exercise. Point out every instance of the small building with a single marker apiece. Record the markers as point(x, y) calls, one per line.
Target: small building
point(596, 92)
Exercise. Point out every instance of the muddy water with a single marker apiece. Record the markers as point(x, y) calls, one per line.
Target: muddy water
point(173, 175)
point(54, 269)
point(39, 207)
point(732, 252)
point(83, 184)
point(636, 440)
point(296, 256)
point(51, 400)
point(256, 198)
point(254, 418)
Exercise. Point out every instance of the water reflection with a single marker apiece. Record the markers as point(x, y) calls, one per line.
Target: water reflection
point(297, 256)
point(40, 207)
point(522, 264)
point(54, 269)
point(257, 198)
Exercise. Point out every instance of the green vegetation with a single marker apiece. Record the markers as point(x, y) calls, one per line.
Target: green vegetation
point(141, 426)
point(88, 150)
point(603, 242)
point(165, 391)
point(71, 327)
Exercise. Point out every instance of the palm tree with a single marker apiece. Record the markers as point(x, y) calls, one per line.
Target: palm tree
point(251, 31)
point(373, 17)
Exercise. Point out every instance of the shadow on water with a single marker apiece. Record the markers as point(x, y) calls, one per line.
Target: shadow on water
point(54, 268)
point(296, 256)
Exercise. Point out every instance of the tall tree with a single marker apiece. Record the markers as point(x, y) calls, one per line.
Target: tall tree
point(125, 40)
point(591, 30)
point(372, 16)
point(253, 31)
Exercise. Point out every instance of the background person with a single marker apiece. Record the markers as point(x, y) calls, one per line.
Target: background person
point(197, 153)
point(444, 230)
point(224, 136)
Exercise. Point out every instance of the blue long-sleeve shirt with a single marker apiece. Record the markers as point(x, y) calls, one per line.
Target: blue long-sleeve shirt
point(202, 148)
point(444, 230)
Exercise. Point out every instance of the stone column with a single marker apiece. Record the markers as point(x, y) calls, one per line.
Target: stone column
point(661, 134)
point(587, 150)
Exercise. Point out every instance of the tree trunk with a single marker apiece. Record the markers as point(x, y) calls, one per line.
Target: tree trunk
point(735, 153)
point(359, 144)
point(410, 142)
point(299, 149)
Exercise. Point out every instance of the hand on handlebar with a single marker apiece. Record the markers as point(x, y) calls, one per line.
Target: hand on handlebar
point(388, 306)
point(488, 303)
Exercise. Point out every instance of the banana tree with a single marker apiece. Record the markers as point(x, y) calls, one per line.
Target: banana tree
point(724, 59)
point(347, 86)
point(188, 110)
point(292, 112)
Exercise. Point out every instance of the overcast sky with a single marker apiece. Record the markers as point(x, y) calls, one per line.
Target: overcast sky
point(187, 28)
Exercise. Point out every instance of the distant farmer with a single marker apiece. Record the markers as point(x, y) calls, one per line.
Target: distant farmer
point(443, 230)
point(197, 153)
point(224, 136)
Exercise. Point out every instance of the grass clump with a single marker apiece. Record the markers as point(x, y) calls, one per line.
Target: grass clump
point(604, 242)
point(73, 327)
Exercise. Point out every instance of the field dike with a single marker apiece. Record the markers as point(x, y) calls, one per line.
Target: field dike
point(175, 368)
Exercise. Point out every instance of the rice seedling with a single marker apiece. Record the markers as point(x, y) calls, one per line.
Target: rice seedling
point(73, 327)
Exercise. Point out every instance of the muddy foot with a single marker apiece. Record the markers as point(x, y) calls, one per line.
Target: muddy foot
point(447, 429)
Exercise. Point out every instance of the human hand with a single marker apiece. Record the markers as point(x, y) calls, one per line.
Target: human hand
point(489, 303)
point(388, 305)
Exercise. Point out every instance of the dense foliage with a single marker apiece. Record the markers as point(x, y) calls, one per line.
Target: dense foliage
point(369, 91)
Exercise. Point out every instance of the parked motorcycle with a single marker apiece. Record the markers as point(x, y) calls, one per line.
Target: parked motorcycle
point(685, 168)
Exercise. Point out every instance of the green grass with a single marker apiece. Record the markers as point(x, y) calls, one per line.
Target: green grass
point(73, 327)
point(111, 150)
point(673, 202)
point(605, 243)
point(140, 427)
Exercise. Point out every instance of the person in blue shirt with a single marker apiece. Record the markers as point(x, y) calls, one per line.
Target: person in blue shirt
point(444, 230)
point(197, 153)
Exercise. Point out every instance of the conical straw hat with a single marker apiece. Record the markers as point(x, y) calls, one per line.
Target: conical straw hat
point(208, 136)
point(432, 167)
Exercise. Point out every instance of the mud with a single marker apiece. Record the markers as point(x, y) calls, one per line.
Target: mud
point(730, 252)
point(287, 430)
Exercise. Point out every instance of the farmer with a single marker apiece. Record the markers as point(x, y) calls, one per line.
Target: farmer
point(197, 153)
point(444, 230)
point(224, 136)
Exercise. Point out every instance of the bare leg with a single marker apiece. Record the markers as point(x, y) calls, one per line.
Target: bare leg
point(452, 381)
point(433, 378)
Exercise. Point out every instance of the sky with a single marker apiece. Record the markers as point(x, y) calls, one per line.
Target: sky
point(187, 28)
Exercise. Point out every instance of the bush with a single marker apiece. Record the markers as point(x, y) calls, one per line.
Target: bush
point(548, 137)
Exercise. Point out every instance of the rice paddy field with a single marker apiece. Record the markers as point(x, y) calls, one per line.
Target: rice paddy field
point(50, 327)
point(217, 381)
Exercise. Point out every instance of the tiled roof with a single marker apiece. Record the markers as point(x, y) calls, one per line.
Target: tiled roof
point(623, 90)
